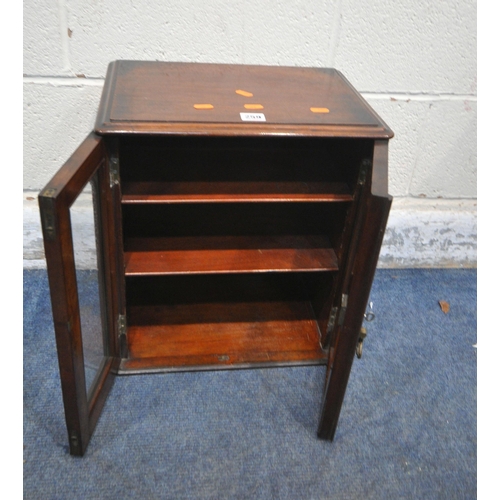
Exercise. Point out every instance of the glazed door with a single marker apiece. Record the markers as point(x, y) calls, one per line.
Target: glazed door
point(77, 223)
point(371, 211)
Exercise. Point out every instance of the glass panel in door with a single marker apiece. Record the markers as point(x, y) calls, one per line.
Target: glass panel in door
point(85, 229)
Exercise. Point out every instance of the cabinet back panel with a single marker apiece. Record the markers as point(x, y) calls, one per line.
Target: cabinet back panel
point(251, 287)
point(221, 219)
point(240, 159)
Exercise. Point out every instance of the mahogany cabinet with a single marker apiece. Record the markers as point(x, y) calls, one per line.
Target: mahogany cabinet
point(237, 214)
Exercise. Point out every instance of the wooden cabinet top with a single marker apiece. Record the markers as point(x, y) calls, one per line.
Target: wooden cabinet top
point(226, 99)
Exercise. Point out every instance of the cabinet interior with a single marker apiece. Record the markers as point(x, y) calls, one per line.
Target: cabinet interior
point(222, 242)
point(232, 247)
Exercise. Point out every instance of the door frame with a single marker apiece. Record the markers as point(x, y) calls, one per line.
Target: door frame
point(88, 162)
point(369, 223)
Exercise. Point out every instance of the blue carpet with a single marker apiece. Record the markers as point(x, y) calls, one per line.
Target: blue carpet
point(407, 429)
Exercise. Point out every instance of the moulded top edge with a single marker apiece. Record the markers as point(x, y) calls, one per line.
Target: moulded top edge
point(230, 129)
point(171, 98)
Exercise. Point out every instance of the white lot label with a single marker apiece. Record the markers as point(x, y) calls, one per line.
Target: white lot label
point(253, 117)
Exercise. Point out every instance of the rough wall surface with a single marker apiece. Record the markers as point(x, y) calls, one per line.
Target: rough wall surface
point(415, 63)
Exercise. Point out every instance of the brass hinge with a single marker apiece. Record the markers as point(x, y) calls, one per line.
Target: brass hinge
point(122, 335)
point(331, 320)
point(337, 315)
point(122, 325)
point(114, 171)
point(363, 171)
point(343, 308)
point(329, 327)
point(48, 215)
point(49, 223)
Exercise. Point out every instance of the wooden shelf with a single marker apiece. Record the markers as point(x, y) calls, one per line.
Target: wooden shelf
point(222, 335)
point(228, 254)
point(205, 192)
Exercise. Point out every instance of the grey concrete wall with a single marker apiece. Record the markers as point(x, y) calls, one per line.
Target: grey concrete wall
point(414, 62)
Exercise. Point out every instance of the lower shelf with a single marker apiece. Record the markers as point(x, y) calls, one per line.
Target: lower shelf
point(226, 254)
point(222, 335)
